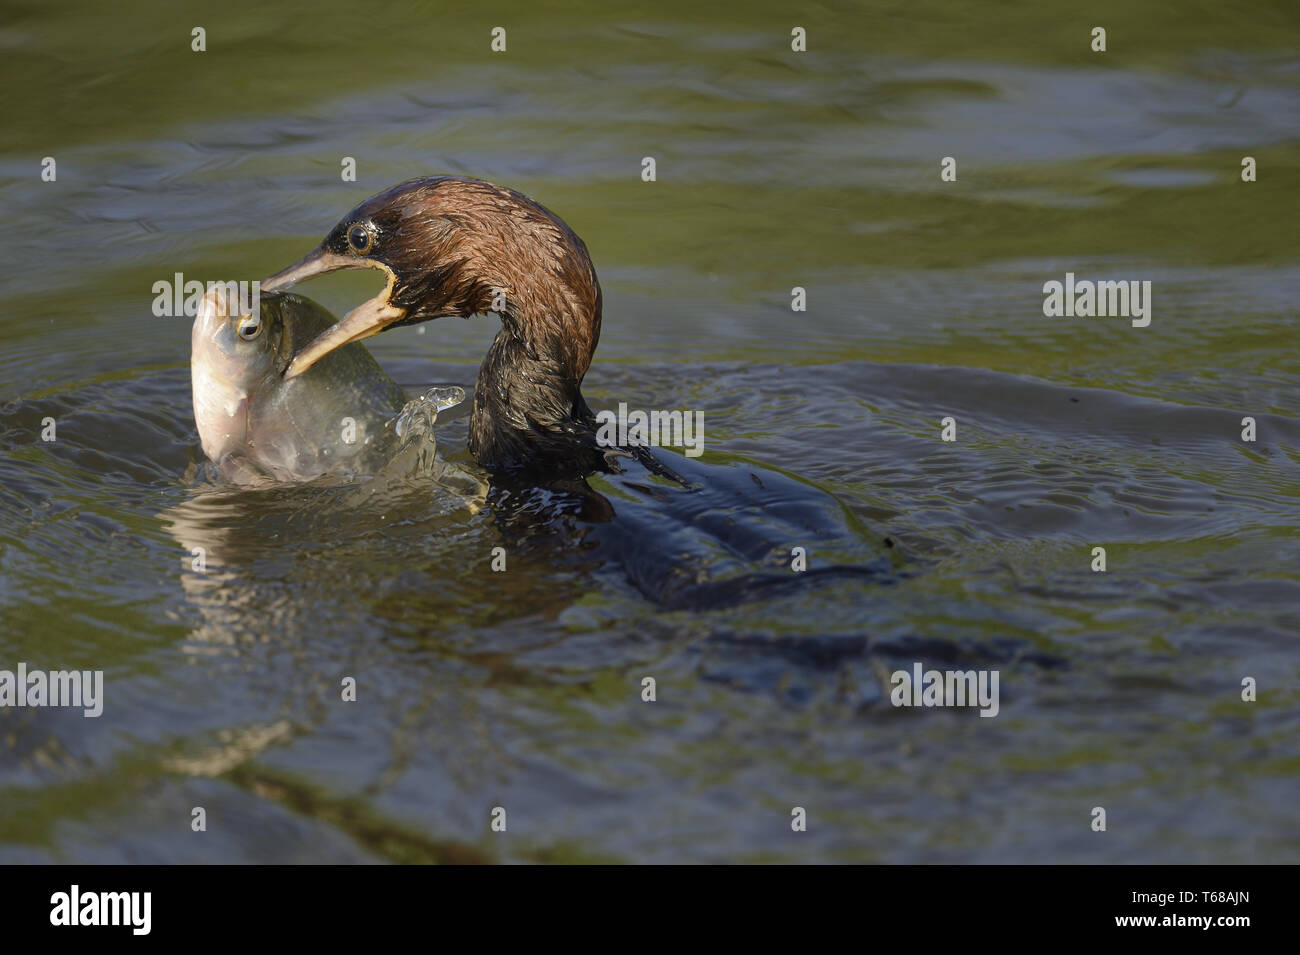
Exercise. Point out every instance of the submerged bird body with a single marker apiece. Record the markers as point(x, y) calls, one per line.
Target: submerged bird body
point(459, 247)
point(253, 423)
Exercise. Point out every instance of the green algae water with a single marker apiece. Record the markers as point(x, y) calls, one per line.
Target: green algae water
point(775, 170)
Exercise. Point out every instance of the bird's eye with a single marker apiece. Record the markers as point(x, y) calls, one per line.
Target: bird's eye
point(250, 326)
point(360, 239)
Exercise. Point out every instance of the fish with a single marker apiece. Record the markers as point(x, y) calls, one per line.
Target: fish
point(254, 424)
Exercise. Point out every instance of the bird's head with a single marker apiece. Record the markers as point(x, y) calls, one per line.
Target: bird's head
point(460, 247)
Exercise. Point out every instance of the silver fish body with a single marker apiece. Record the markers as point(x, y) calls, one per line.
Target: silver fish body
point(256, 425)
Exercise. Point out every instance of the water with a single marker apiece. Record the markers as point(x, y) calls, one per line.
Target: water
point(523, 689)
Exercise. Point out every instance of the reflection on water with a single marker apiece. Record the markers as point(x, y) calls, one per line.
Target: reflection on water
point(523, 688)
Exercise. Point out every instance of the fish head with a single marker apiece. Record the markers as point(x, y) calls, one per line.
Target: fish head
point(238, 353)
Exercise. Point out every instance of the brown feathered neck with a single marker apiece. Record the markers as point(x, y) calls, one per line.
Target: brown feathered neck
point(460, 247)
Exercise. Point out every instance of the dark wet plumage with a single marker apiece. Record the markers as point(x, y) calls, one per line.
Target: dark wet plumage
point(718, 536)
point(448, 246)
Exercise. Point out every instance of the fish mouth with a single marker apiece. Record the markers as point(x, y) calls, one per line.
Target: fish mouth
point(369, 318)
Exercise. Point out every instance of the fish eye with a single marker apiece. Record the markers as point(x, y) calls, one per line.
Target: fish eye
point(360, 239)
point(250, 326)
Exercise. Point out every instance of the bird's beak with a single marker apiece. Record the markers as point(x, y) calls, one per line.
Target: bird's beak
point(317, 262)
point(368, 318)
